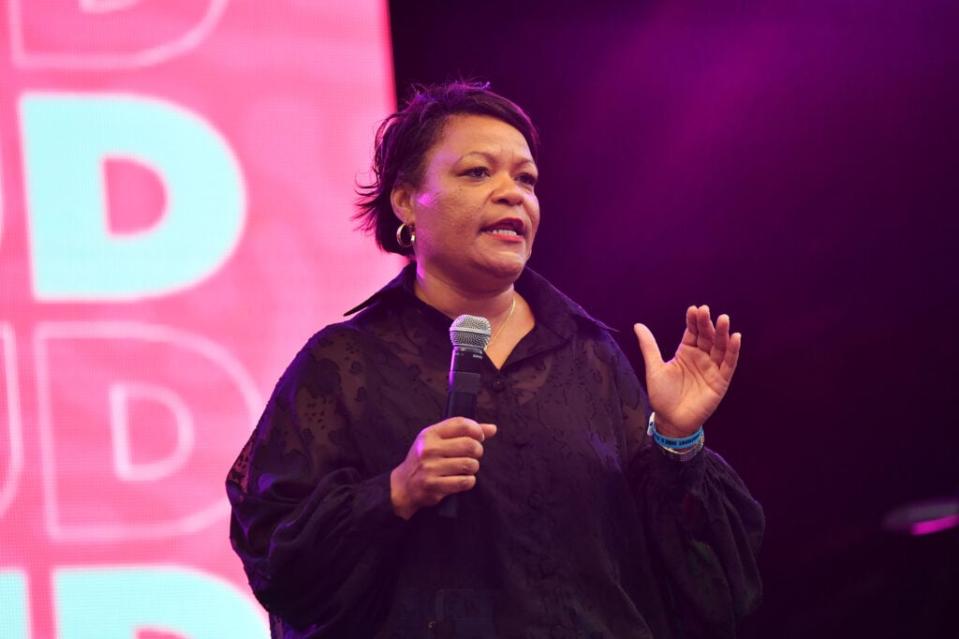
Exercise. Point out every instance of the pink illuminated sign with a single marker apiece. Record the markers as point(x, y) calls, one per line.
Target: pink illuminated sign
point(176, 185)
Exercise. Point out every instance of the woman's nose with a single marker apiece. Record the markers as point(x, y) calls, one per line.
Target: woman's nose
point(508, 191)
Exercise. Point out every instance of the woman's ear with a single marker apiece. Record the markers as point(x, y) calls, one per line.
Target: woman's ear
point(401, 198)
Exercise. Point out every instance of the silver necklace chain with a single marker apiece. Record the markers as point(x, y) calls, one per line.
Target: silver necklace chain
point(505, 322)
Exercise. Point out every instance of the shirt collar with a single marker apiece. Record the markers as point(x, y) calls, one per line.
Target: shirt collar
point(403, 282)
point(551, 307)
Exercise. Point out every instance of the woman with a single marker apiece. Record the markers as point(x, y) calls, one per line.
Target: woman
point(571, 521)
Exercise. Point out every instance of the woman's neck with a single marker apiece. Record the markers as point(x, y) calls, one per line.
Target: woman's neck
point(453, 299)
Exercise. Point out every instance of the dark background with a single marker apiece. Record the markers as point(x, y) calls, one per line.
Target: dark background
point(793, 165)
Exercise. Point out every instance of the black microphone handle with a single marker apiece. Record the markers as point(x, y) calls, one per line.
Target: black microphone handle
point(464, 385)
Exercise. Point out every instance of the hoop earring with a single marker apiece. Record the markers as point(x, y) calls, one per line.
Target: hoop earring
point(399, 235)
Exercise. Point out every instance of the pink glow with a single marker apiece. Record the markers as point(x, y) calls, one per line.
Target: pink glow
point(934, 525)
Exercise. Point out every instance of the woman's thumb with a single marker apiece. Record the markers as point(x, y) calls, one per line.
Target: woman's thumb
point(648, 347)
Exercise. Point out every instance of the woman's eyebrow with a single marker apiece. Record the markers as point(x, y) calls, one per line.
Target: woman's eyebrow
point(492, 158)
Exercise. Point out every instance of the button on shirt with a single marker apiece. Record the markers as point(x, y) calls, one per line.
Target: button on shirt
point(578, 526)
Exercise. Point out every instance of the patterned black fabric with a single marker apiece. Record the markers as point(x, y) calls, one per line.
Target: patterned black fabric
point(577, 527)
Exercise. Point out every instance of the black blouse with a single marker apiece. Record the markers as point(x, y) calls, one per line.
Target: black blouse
point(578, 525)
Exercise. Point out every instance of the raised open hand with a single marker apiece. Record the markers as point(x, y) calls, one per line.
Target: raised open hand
point(686, 390)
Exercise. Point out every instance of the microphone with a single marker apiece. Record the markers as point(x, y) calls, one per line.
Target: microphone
point(469, 335)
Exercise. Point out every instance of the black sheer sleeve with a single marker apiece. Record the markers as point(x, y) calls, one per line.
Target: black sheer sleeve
point(312, 525)
point(702, 530)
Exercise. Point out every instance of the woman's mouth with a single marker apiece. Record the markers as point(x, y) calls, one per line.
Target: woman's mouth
point(507, 229)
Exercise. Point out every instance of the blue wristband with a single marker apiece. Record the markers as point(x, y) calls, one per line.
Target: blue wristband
point(671, 442)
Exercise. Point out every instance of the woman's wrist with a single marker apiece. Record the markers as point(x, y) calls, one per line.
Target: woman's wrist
point(401, 505)
point(676, 444)
point(665, 428)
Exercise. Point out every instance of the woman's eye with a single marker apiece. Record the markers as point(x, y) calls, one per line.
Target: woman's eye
point(478, 171)
point(528, 178)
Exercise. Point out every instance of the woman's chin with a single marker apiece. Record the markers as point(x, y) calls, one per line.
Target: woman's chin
point(505, 266)
point(484, 271)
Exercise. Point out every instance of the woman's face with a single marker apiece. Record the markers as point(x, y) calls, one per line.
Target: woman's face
point(475, 211)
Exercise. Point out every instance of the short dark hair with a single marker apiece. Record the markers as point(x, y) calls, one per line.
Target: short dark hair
point(404, 138)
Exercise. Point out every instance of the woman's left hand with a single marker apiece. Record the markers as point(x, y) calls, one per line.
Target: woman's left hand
point(686, 390)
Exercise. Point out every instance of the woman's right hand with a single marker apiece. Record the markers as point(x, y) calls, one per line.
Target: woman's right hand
point(443, 460)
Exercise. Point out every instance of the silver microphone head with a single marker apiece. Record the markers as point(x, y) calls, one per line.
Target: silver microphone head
point(470, 331)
